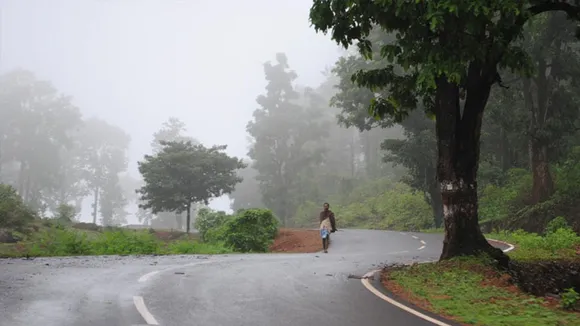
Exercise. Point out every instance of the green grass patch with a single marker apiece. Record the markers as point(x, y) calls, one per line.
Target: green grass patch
point(561, 243)
point(63, 241)
point(473, 292)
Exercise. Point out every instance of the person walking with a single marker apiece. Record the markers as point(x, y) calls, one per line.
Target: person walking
point(327, 225)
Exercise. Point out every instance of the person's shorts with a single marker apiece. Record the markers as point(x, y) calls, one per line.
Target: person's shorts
point(323, 233)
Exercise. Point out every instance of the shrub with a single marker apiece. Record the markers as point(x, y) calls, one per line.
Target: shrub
point(399, 208)
point(60, 242)
point(13, 212)
point(208, 219)
point(252, 230)
point(556, 224)
point(121, 242)
point(65, 213)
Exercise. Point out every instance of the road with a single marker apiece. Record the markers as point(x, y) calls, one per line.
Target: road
point(229, 290)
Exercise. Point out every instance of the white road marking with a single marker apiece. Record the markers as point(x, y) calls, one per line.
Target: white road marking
point(421, 248)
point(147, 276)
point(423, 242)
point(142, 309)
point(403, 233)
point(415, 237)
point(397, 304)
point(365, 282)
point(508, 249)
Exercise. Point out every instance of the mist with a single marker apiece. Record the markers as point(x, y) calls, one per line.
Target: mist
point(136, 63)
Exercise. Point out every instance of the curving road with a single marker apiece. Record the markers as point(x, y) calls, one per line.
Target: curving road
point(230, 290)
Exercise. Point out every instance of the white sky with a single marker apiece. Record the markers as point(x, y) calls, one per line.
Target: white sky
point(134, 63)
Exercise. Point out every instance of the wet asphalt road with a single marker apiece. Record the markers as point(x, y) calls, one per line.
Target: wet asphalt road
point(232, 290)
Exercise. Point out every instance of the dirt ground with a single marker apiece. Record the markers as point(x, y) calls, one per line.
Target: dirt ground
point(297, 241)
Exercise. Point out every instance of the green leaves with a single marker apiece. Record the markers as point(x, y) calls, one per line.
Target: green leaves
point(183, 173)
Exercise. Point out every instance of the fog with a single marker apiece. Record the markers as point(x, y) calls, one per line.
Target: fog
point(135, 63)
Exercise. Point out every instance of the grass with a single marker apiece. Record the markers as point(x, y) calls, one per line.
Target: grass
point(474, 293)
point(53, 239)
point(562, 243)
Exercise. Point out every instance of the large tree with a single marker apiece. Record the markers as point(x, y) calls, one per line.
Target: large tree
point(182, 174)
point(106, 148)
point(284, 132)
point(450, 52)
point(36, 128)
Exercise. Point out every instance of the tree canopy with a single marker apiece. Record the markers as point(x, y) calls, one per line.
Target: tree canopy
point(182, 174)
point(445, 55)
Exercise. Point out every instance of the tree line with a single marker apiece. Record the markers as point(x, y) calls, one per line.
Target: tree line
point(52, 159)
point(415, 104)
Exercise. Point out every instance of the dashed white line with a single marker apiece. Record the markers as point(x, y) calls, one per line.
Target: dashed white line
point(421, 248)
point(142, 309)
point(415, 237)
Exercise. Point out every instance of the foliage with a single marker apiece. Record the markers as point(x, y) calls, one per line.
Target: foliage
point(59, 240)
point(561, 243)
point(500, 202)
point(399, 208)
point(13, 211)
point(284, 138)
point(65, 213)
point(468, 289)
point(247, 193)
point(570, 299)
point(251, 230)
point(208, 219)
point(182, 174)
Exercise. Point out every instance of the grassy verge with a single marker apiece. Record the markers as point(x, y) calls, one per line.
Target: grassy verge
point(59, 240)
point(472, 292)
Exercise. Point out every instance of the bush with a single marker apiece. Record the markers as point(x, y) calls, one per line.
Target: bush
point(121, 242)
point(498, 203)
point(65, 213)
point(208, 219)
point(557, 223)
point(13, 212)
point(399, 208)
point(252, 230)
point(60, 242)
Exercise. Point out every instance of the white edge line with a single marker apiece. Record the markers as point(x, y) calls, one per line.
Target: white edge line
point(142, 309)
point(147, 276)
point(508, 249)
point(397, 304)
point(365, 282)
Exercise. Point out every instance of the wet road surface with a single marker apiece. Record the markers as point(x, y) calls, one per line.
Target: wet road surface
point(229, 290)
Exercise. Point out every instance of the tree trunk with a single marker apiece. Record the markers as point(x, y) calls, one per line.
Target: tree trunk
point(95, 205)
point(458, 141)
point(436, 205)
point(188, 219)
point(543, 184)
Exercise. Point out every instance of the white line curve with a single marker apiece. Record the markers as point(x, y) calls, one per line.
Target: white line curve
point(147, 276)
point(143, 311)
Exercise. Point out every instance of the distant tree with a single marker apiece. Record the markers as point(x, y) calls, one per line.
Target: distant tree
point(112, 202)
point(247, 193)
point(106, 147)
point(172, 130)
point(36, 123)
point(284, 139)
point(182, 174)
